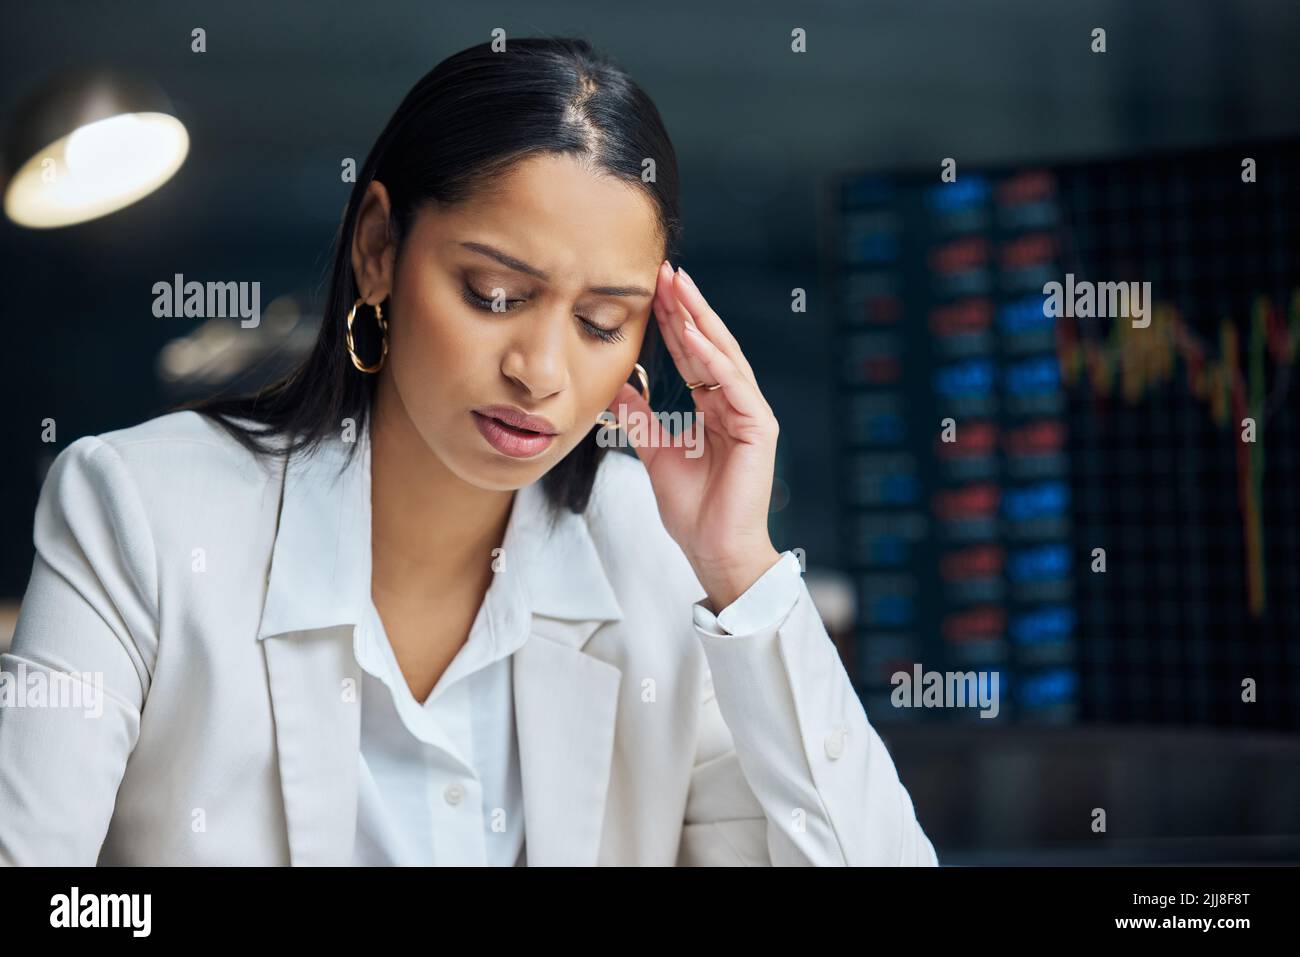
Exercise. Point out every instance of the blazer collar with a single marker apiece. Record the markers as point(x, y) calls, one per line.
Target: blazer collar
point(320, 564)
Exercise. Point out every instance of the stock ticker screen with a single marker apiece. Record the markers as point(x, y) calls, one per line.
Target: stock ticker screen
point(1072, 501)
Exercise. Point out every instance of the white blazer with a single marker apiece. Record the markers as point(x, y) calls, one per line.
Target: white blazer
point(216, 596)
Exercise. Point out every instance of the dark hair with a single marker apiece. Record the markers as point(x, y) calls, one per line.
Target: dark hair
point(467, 120)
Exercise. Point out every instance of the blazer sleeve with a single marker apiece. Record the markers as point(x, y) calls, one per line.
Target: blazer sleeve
point(89, 616)
point(788, 770)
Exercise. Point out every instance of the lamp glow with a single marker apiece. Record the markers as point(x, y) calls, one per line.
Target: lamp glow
point(97, 169)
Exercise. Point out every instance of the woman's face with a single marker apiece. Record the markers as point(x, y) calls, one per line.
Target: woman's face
point(570, 258)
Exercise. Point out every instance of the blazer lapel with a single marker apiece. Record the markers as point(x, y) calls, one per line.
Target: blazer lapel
point(566, 700)
point(315, 695)
point(317, 586)
point(566, 705)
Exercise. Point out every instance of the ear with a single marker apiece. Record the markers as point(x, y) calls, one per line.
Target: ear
point(373, 246)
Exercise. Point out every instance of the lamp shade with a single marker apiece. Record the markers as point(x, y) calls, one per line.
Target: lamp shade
point(88, 145)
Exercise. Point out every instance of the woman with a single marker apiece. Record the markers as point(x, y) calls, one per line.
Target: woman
point(404, 607)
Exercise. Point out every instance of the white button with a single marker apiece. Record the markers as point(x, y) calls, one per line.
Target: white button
point(453, 793)
point(835, 743)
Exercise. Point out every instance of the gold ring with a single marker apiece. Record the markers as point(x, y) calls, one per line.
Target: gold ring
point(695, 385)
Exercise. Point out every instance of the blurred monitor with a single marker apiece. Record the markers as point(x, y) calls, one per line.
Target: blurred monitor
point(1073, 503)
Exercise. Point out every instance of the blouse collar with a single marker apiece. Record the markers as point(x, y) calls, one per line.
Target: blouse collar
point(320, 564)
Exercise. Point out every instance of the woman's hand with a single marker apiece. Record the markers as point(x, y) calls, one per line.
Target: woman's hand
point(713, 504)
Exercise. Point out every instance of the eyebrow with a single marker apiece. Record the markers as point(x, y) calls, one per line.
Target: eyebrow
point(510, 262)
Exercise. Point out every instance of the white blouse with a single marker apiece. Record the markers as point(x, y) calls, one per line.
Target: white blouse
point(440, 780)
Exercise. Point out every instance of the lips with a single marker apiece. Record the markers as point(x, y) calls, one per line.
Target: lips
point(518, 419)
point(514, 441)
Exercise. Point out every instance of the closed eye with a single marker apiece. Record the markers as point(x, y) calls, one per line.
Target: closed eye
point(478, 302)
point(596, 332)
point(600, 332)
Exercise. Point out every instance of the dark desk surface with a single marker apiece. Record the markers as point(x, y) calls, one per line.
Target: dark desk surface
point(1027, 795)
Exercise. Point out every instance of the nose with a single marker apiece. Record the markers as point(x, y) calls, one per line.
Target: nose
point(535, 359)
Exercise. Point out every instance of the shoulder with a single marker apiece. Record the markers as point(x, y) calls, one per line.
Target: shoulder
point(169, 463)
point(177, 442)
point(186, 439)
point(623, 518)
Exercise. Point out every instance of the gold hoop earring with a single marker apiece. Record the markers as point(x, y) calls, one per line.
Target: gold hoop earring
point(645, 381)
point(645, 394)
point(383, 329)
